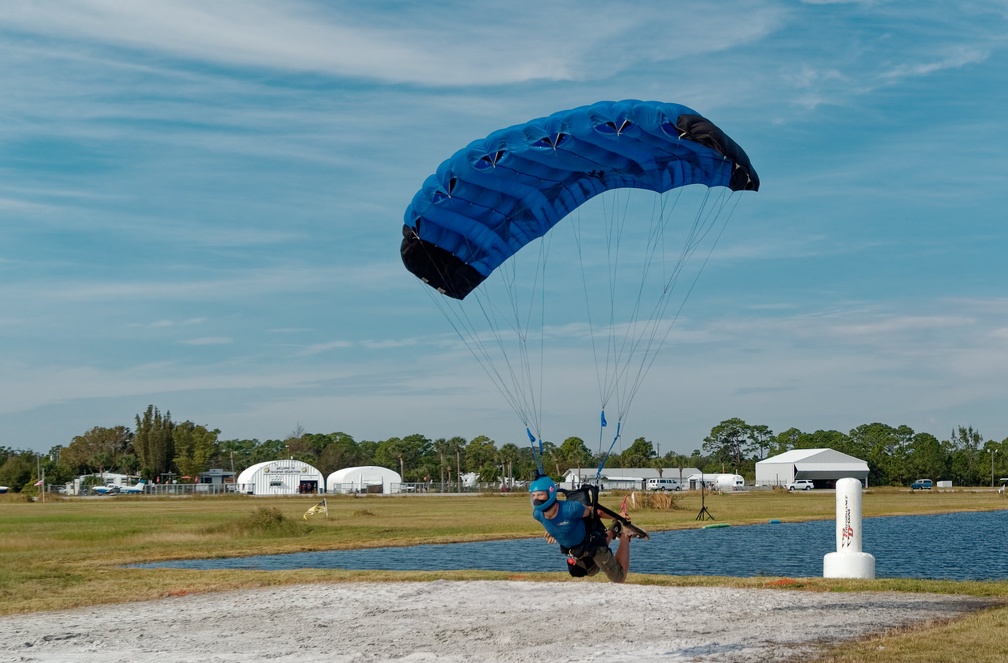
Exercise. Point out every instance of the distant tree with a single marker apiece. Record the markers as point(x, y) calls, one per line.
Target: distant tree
point(194, 446)
point(57, 472)
point(550, 459)
point(233, 455)
point(509, 455)
point(268, 450)
point(638, 454)
point(879, 445)
point(727, 441)
point(759, 440)
point(339, 451)
point(829, 439)
point(785, 441)
point(298, 444)
point(989, 456)
point(926, 458)
point(153, 442)
point(403, 455)
point(443, 452)
point(574, 453)
point(965, 456)
point(483, 458)
point(525, 466)
point(366, 450)
point(17, 469)
point(97, 450)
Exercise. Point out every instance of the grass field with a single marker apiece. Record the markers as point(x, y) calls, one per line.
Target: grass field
point(70, 552)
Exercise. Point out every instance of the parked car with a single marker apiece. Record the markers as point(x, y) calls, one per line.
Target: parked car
point(662, 484)
point(922, 484)
point(800, 484)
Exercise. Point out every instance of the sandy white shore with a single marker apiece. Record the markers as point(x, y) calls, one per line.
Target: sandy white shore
point(450, 621)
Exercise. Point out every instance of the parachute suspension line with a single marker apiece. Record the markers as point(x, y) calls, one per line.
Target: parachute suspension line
point(615, 222)
point(620, 345)
point(623, 375)
point(576, 230)
point(537, 457)
point(602, 370)
point(629, 341)
point(713, 216)
point(463, 327)
point(489, 348)
point(598, 474)
point(611, 374)
point(661, 214)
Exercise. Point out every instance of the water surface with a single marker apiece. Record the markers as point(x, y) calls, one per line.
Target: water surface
point(957, 546)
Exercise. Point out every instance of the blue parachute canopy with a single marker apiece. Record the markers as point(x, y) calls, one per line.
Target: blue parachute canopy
point(496, 195)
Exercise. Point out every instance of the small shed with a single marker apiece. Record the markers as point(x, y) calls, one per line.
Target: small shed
point(365, 479)
point(280, 477)
point(216, 477)
point(822, 466)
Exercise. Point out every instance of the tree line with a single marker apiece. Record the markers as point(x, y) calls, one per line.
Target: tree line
point(160, 449)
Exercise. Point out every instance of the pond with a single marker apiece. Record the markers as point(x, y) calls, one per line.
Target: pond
point(957, 546)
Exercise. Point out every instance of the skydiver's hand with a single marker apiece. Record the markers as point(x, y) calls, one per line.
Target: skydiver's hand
point(549, 539)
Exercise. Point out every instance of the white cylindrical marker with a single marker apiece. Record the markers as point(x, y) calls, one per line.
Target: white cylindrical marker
point(848, 561)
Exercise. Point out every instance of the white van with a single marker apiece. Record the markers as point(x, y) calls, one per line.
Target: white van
point(663, 484)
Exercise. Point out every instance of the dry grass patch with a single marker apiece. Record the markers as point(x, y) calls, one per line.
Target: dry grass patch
point(978, 637)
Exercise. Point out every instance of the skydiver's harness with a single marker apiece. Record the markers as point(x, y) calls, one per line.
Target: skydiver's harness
point(580, 557)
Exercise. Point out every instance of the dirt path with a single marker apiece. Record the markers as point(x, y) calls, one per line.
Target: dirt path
point(449, 621)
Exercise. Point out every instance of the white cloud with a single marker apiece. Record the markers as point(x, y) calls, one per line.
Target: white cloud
point(209, 340)
point(444, 45)
point(959, 57)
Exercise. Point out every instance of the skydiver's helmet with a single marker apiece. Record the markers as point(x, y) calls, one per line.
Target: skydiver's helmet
point(543, 484)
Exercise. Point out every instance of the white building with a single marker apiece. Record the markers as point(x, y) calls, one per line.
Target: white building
point(280, 477)
point(366, 479)
point(623, 478)
point(822, 466)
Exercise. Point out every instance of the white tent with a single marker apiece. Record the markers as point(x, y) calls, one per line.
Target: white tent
point(822, 466)
point(366, 479)
point(280, 477)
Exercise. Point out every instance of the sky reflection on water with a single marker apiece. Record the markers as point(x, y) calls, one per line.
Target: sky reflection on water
point(957, 546)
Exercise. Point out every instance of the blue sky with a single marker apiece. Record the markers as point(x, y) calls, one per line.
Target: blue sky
point(201, 204)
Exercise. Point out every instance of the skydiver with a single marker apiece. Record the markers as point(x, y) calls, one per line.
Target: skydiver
point(580, 533)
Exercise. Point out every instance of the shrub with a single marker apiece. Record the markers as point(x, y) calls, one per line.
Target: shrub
point(263, 522)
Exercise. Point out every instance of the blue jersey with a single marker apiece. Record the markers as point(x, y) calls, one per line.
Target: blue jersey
point(568, 526)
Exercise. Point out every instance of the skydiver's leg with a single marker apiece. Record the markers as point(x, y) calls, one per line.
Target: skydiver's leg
point(623, 553)
point(615, 570)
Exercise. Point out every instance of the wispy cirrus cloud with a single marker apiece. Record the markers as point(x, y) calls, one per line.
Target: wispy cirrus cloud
point(474, 45)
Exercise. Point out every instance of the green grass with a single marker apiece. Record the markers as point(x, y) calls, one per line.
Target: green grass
point(69, 553)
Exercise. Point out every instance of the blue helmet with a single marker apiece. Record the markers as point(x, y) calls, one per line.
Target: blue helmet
point(546, 485)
